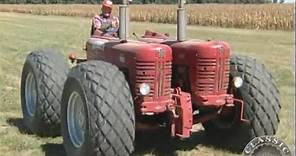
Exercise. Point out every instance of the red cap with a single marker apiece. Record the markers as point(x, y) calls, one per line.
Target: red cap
point(107, 4)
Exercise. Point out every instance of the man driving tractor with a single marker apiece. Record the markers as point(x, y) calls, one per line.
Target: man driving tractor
point(105, 24)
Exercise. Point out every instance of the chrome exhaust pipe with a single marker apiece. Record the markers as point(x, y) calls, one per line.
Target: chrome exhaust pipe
point(181, 21)
point(123, 20)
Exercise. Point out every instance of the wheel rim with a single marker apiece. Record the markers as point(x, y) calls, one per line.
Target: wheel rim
point(76, 119)
point(30, 94)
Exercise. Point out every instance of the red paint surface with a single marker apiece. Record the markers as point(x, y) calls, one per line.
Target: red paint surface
point(208, 68)
point(202, 66)
point(181, 114)
point(143, 63)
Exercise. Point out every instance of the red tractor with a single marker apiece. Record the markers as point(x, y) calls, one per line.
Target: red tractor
point(127, 85)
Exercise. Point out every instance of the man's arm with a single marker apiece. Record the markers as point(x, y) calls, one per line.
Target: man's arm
point(96, 25)
point(115, 22)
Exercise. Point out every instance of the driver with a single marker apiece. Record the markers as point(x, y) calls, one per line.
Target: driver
point(105, 24)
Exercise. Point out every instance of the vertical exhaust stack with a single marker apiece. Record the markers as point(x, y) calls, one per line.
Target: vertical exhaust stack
point(123, 20)
point(181, 21)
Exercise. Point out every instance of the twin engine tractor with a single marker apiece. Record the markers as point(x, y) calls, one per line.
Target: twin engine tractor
point(153, 82)
point(197, 77)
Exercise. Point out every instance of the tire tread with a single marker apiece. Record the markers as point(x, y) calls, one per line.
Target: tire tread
point(111, 106)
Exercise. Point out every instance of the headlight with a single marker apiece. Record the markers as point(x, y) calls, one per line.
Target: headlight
point(144, 89)
point(238, 82)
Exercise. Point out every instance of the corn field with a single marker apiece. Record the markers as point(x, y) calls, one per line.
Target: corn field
point(263, 16)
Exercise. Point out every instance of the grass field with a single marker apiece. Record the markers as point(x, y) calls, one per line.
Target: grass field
point(20, 33)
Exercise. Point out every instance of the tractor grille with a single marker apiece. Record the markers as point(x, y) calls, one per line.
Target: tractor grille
point(212, 75)
point(225, 75)
point(165, 77)
point(157, 75)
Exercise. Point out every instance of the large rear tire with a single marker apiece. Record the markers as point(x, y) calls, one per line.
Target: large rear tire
point(97, 111)
point(261, 103)
point(43, 77)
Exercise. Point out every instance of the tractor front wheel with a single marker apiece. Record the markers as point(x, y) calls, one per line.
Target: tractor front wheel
point(97, 111)
point(261, 104)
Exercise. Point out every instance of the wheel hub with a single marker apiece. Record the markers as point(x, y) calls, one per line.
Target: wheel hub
point(30, 94)
point(76, 119)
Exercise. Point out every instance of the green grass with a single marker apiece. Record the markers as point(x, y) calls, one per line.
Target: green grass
point(21, 33)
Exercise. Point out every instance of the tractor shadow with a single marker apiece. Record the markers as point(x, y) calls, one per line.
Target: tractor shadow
point(53, 149)
point(18, 122)
point(50, 149)
point(156, 142)
point(160, 143)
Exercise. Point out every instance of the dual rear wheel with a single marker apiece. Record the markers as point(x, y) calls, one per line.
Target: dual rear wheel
point(90, 105)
